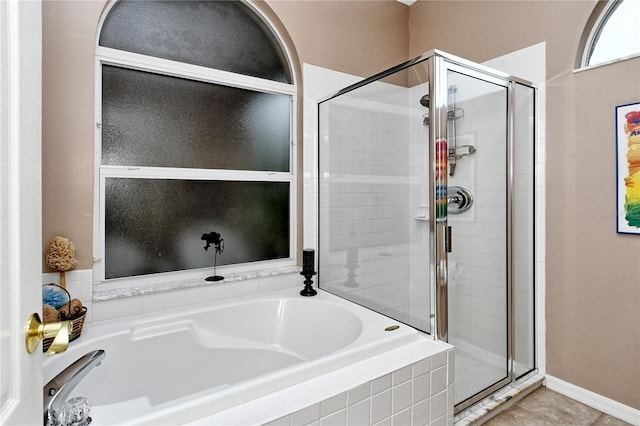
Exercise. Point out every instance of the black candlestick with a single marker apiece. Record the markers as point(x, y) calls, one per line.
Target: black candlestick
point(308, 271)
point(308, 261)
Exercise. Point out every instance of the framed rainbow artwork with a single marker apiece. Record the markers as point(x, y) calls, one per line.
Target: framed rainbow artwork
point(628, 168)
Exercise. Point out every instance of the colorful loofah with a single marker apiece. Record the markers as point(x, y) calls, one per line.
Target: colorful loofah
point(53, 296)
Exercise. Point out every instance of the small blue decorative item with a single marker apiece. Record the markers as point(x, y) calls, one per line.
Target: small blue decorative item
point(54, 296)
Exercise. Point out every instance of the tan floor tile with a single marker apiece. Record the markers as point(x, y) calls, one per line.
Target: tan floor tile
point(517, 416)
point(607, 420)
point(559, 409)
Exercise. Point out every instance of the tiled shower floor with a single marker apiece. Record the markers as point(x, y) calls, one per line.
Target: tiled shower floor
point(544, 407)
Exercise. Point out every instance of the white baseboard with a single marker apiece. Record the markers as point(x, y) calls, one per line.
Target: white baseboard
point(592, 399)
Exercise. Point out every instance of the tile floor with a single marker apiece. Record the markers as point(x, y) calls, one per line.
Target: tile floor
point(544, 407)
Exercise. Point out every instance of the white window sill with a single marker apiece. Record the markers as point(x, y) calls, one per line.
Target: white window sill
point(106, 291)
point(603, 64)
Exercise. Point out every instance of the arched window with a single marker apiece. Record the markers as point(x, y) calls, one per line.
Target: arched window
point(195, 119)
point(612, 33)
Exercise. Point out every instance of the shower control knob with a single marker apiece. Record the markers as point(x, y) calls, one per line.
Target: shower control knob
point(459, 200)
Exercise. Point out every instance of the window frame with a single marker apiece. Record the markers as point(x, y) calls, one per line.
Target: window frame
point(135, 61)
point(595, 24)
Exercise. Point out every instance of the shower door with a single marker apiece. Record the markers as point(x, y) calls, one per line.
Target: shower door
point(426, 210)
point(490, 277)
point(478, 256)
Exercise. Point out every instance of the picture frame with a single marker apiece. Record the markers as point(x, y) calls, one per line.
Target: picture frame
point(628, 168)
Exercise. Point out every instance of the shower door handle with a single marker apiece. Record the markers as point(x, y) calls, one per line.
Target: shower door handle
point(447, 239)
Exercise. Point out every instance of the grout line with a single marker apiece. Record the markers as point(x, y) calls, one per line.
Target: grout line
point(535, 415)
point(597, 421)
point(600, 419)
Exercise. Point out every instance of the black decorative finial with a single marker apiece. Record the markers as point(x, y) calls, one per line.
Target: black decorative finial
point(308, 271)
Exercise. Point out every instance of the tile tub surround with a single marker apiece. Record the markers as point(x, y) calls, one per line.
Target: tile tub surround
point(411, 385)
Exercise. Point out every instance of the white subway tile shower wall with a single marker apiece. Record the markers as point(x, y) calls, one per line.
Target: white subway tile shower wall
point(477, 263)
point(367, 208)
point(478, 260)
point(318, 83)
point(373, 189)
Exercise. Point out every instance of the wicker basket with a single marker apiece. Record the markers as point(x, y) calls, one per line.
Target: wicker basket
point(78, 323)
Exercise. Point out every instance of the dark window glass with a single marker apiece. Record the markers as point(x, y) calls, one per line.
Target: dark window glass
point(156, 120)
point(225, 35)
point(155, 225)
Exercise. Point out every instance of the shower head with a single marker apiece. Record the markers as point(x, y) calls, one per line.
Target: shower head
point(424, 101)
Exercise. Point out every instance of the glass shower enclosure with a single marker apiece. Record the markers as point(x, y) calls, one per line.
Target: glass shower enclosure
point(426, 209)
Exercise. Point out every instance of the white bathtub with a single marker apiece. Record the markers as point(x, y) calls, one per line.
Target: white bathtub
point(177, 367)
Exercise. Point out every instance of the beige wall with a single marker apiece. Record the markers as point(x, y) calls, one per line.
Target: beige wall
point(68, 49)
point(593, 274)
point(356, 37)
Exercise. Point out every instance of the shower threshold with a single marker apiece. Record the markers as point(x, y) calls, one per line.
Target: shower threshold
point(499, 401)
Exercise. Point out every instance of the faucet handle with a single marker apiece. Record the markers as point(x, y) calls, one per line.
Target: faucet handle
point(37, 331)
point(75, 412)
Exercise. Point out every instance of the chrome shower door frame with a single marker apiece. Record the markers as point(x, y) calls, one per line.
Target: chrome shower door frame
point(441, 64)
point(438, 178)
